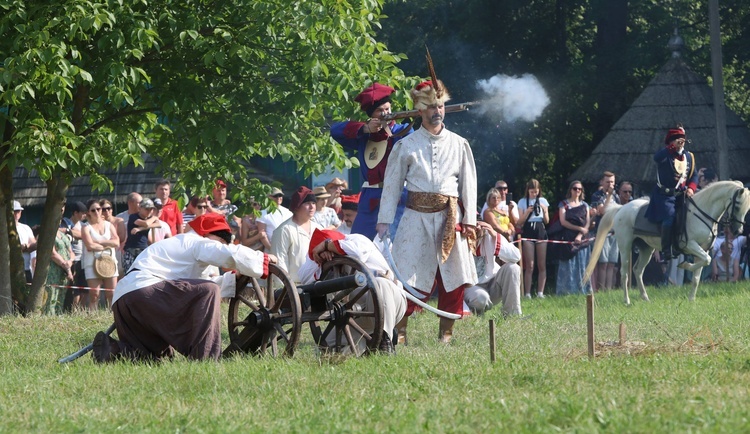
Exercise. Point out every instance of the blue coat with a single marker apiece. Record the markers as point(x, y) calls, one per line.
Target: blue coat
point(667, 194)
point(349, 135)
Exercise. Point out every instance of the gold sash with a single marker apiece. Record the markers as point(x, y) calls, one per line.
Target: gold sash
point(436, 202)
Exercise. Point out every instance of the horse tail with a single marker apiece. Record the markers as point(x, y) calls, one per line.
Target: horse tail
point(605, 225)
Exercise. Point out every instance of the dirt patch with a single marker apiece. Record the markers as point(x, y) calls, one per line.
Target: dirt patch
point(700, 343)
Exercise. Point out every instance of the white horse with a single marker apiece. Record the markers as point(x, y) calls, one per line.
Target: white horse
point(703, 214)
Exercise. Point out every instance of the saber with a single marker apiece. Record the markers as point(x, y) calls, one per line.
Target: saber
point(411, 293)
point(86, 349)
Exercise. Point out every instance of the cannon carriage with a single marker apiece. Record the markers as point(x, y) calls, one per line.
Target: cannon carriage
point(342, 309)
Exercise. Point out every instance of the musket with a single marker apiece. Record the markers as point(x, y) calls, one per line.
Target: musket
point(452, 108)
point(386, 119)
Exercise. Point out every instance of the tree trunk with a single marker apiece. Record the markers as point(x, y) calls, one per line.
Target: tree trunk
point(6, 294)
point(17, 279)
point(57, 188)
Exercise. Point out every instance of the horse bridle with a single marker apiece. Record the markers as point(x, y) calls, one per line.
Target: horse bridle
point(731, 208)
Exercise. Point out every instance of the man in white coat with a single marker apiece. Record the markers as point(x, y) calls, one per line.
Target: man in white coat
point(497, 283)
point(326, 244)
point(432, 244)
point(162, 305)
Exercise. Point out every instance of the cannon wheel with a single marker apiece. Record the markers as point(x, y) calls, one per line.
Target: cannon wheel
point(261, 319)
point(343, 321)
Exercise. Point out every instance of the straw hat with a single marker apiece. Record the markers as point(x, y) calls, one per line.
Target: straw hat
point(337, 181)
point(321, 193)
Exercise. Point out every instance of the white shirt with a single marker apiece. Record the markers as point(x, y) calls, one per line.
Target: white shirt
point(354, 245)
point(275, 219)
point(533, 217)
point(290, 243)
point(326, 218)
point(186, 256)
point(507, 252)
point(25, 234)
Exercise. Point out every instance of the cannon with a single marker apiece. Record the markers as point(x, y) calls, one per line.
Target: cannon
point(343, 310)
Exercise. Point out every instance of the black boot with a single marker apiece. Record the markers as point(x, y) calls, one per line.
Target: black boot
point(666, 243)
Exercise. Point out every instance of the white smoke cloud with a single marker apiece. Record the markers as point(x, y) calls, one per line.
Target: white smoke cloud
point(513, 98)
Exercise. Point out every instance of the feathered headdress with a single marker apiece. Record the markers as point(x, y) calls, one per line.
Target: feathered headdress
point(430, 92)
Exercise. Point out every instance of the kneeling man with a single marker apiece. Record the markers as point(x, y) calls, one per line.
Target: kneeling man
point(497, 283)
point(162, 305)
point(326, 244)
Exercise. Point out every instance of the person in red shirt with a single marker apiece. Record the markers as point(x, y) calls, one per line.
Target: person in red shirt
point(170, 211)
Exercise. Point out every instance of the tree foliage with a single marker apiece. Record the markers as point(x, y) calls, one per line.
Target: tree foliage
point(593, 57)
point(201, 85)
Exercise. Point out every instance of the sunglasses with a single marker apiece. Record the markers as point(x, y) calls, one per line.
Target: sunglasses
point(95, 210)
point(577, 188)
point(202, 206)
point(502, 188)
point(107, 208)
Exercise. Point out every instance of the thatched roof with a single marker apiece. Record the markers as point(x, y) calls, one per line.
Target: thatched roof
point(31, 191)
point(675, 95)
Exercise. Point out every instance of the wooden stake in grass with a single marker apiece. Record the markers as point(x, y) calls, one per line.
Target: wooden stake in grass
point(623, 338)
point(590, 323)
point(492, 340)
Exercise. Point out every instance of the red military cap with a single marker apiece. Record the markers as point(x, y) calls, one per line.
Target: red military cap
point(320, 235)
point(209, 222)
point(674, 134)
point(373, 97)
point(302, 195)
point(350, 202)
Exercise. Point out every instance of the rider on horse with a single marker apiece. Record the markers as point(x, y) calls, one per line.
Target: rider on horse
point(675, 178)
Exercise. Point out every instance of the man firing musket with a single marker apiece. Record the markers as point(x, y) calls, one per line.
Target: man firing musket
point(453, 108)
point(374, 140)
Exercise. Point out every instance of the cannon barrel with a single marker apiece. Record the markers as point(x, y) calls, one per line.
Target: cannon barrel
point(323, 287)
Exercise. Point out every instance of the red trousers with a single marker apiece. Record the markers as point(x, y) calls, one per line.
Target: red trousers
point(451, 302)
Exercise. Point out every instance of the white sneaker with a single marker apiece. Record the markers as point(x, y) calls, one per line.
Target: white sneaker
point(540, 295)
point(527, 296)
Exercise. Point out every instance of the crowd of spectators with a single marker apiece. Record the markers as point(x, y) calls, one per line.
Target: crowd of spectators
point(90, 230)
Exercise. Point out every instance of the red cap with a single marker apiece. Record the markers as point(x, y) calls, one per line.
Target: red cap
point(674, 134)
point(320, 235)
point(220, 184)
point(302, 195)
point(373, 97)
point(423, 84)
point(209, 222)
point(350, 202)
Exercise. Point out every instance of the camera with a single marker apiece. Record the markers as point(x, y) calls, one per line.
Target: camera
point(508, 198)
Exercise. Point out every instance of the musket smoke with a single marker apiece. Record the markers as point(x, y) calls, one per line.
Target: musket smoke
point(513, 98)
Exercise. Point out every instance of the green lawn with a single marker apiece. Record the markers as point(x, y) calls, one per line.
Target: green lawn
point(688, 370)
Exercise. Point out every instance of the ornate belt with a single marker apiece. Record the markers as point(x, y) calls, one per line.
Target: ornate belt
point(436, 202)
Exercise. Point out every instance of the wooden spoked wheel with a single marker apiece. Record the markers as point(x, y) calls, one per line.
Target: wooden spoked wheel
point(265, 318)
point(348, 321)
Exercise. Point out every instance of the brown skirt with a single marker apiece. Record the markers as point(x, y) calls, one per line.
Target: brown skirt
point(182, 315)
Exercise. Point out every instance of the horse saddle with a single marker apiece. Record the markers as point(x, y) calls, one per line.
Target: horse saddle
point(644, 226)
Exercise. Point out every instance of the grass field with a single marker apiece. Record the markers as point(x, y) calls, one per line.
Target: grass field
point(685, 368)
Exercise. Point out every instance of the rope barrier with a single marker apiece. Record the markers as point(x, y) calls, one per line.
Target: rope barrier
point(85, 288)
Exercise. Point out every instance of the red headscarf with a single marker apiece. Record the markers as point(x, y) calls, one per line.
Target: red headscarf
point(320, 235)
point(209, 222)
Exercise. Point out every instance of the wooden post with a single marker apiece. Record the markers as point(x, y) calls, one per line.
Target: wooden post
point(623, 338)
point(590, 323)
point(492, 340)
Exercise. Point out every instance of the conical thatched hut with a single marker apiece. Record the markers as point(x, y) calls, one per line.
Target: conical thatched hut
point(675, 95)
